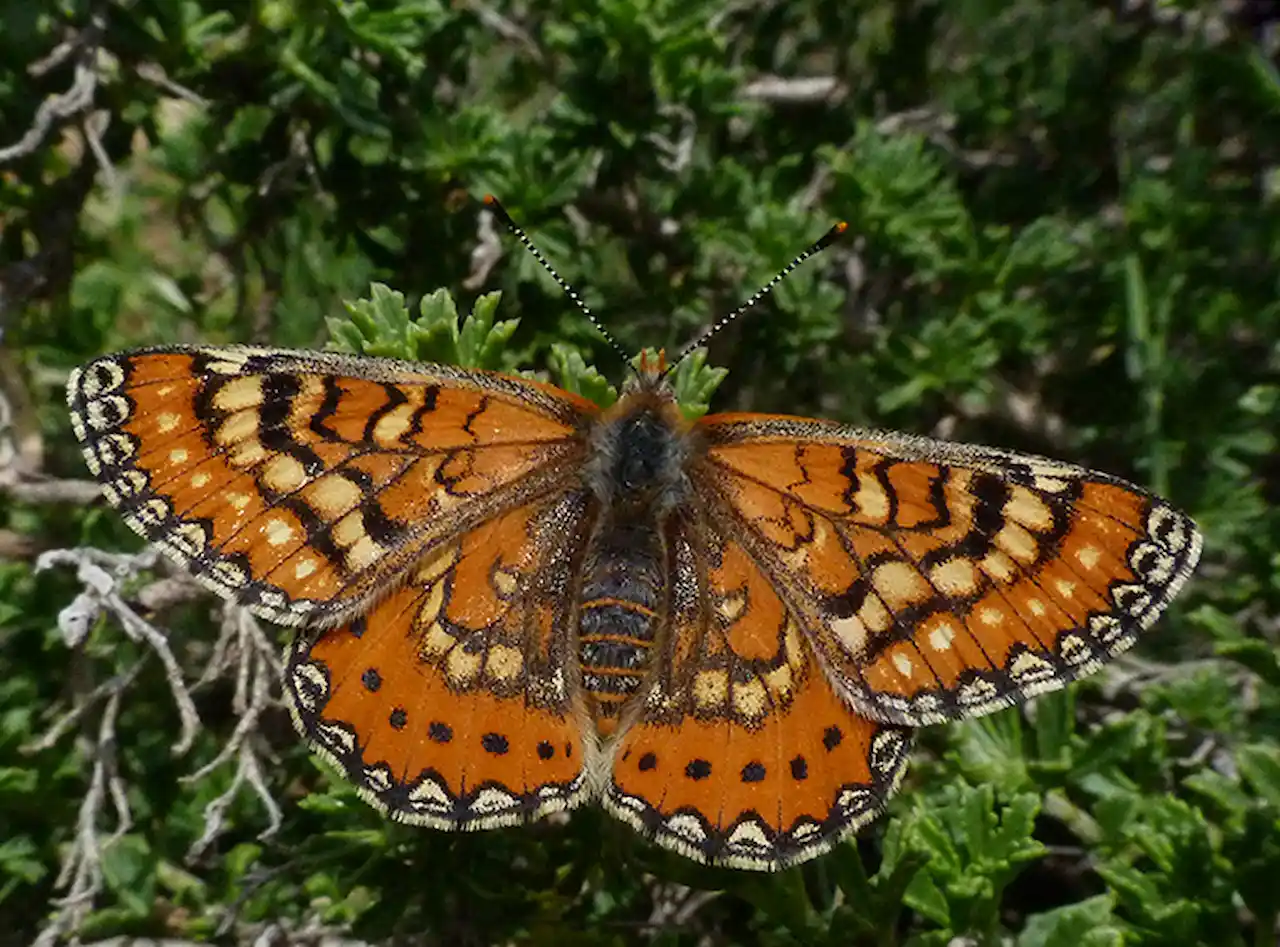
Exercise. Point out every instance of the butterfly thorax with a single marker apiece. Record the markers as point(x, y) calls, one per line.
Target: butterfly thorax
point(636, 474)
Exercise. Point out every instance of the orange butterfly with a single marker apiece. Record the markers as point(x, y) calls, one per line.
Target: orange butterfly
point(722, 630)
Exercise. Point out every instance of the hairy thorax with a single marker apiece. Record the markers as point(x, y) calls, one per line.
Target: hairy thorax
point(636, 474)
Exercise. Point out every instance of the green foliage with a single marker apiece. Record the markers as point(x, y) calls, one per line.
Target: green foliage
point(1063, 234)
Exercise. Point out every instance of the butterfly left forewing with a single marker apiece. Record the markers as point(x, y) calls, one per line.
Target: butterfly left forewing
point(740, 753)
point(300, 483)
point(939, 581)
point(451, 703)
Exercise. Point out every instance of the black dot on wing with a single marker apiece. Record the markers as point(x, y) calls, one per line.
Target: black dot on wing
point(371, 680)
point(358, 626)
point(831, 738)
point(439, 732)
point(399, 717)
point(648, 762)
point(753, 772)
point(799, 768)
point(545, 750)
point(495, 743)
point(698, 769)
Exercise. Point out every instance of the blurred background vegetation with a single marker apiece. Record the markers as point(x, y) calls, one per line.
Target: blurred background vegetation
point(1064, 238)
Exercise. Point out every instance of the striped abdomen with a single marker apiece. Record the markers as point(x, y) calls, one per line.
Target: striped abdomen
point(621, 601)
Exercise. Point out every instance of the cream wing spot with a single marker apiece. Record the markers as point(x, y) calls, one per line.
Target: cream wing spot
point(779, 681)
point(363, 553)
point(97, 379)
point(851, 632)
point(957, 577)
point(229, 574)
point(392, 425)
point(1018, 543)
point(435, 642)
point(167, 422)
point(1088, 556)
point(899, 585)
point(246, 455)
point(1027, 667)
point(505, 582)
point(237, 428)
point(1028, 509)
point(1051, 484)
point(903, 664)
point(239, 394)
point(284, 474)
point(942, 635)
point(333, 495)
point(178, 456)
point(279, 532)
point(305, 567)
point(504, 663)
point(870, 499)
point(873, 615)
point(350, 529)
point(999, 566)
point(748, 834)
point(226, 361)
point(711, 688)
point(462, 668)
point(750, 699)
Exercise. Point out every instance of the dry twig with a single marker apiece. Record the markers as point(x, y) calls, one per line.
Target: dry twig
point(242, 648)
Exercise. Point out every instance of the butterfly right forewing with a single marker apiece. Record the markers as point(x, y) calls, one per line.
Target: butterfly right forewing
point(941, 581)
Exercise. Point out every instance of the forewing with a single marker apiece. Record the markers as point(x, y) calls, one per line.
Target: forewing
point(740, 753)
point(940, 581)
point(451, 703)
point(300, 483)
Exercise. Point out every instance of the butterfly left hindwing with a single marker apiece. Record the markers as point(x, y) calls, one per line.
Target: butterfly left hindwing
point(449, 704)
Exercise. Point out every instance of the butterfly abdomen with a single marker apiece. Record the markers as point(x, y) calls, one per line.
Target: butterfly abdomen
point(622, 599)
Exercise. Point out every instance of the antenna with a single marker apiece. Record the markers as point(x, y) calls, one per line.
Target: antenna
point(501, 212)
point(817, 247)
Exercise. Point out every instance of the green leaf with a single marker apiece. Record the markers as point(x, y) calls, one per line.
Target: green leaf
point(1260, 766)
point(1087, 923)
point(694, 382)
point(129, 870)
point(573, 374)
point(381, 325)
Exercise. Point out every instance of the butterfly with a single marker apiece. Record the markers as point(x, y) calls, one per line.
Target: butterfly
point(511, 602)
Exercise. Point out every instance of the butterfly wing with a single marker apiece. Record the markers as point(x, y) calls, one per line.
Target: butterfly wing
point(740, 753)
point(300, 483)
point(940, 581)
point(451, 703)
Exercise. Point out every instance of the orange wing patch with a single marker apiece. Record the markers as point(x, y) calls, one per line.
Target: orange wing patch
point(300, 484)
point(940, 581)
point(741, 754)
point(448, 705)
